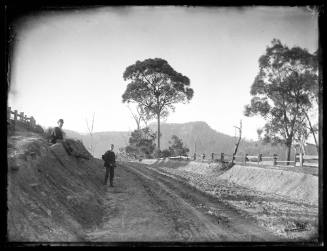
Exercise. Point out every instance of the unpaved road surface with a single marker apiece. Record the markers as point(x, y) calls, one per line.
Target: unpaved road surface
point(145, 205)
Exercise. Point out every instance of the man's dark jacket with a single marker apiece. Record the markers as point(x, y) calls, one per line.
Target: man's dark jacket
point(56, 134)
point(109, 158)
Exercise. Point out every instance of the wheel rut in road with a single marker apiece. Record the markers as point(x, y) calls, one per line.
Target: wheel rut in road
point(215, 220)
point(149, 206)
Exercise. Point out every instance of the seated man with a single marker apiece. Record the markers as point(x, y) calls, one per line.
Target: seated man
point(57, 134)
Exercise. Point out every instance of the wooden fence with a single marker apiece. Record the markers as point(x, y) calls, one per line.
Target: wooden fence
point(300, 158)
point(13, 117)
point(180, 158)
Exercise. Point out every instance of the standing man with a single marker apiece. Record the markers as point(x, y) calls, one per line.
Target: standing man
point(57, 133)
point(110, 163)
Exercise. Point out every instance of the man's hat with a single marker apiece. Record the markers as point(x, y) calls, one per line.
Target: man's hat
point(61, 120)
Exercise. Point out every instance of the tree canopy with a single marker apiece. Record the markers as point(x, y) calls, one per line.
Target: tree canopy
point(283, 92)
point(156, 87)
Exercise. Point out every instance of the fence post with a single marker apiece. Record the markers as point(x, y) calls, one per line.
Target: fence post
point(275, 159)
point(22, 116)
point(212, 156)
point(222, 157)
point(259, 158)
point(8, 113)
point(245, 158)
point(32, 122)
point(295, 157)
point(15, 118)
point(26, 121)
point(301, 160)
point(194, 156)
point(15, 115)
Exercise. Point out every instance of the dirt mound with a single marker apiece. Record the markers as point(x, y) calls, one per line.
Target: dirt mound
point(52, 195)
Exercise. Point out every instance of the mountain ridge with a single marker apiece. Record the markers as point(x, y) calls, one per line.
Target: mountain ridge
point(198, 136)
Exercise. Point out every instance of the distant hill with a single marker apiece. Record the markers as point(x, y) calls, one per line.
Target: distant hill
point(195, 135)
point(101, 140)
point(73, 134)
point(200, 136)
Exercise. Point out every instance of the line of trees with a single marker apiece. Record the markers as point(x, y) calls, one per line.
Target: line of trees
point(285, 92)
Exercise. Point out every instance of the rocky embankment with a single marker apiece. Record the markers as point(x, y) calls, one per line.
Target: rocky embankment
point(54, 192)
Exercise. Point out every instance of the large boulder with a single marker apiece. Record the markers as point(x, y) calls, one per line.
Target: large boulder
point(76, 148)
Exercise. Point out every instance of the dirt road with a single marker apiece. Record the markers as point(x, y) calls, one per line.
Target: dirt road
point(146, 205)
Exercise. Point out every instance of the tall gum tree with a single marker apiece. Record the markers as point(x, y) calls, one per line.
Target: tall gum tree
point(157, 87)
point(283, 92)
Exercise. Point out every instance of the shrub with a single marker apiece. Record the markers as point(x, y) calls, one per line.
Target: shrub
point(166, 153)
point(177, 147)
point(47, 133)
point(38, 129)
point(157, 153)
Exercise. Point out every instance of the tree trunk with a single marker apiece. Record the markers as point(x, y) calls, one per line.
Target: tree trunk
point(302, 145)
point(289, 147)
point(158, 118)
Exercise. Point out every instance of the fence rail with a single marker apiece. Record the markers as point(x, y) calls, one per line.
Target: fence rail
point(13, 117)
point(300, 158)
point(180, 157)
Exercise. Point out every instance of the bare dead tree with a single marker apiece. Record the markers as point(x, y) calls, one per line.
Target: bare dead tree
point(90, 129)
point(238, 141)
point(312, 130)
point(140, 115)
point(136, 117)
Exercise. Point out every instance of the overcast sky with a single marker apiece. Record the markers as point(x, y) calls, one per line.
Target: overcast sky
point(70, 64)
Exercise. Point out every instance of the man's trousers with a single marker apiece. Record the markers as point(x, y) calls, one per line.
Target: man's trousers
point(109, 172)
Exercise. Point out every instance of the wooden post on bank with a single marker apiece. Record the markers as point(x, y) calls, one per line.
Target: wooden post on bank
point(259, 158)
point(33, 122)
point(8, 113)
point(15, 118)
point(245, 158)
point(275, 159)
point(21, 116)
point(301, 160)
